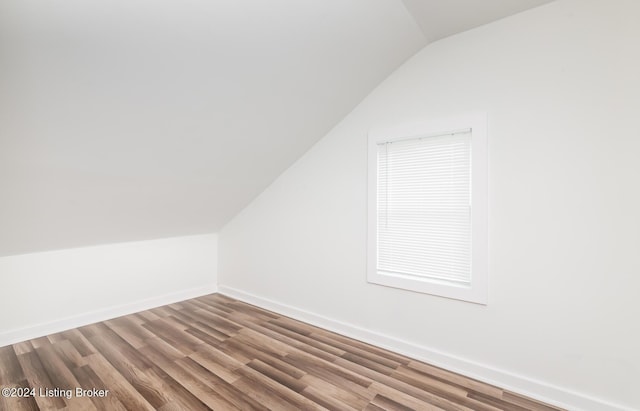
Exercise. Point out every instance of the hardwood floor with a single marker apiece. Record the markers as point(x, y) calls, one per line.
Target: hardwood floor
point(217, 353)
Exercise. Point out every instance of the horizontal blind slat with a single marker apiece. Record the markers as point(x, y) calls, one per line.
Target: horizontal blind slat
point(424, 199)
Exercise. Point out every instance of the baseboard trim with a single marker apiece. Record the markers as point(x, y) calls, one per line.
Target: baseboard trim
point(40, 330)
point(520, 384)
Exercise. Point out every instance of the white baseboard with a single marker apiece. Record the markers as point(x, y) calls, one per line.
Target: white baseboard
point(521, 384)
point(40, 330)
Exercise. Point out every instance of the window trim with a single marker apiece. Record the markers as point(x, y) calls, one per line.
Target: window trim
point(477, 291)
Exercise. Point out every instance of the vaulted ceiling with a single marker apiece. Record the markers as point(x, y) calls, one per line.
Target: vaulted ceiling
point(125, 120)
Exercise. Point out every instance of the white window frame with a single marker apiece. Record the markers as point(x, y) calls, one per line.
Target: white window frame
point(477, 291)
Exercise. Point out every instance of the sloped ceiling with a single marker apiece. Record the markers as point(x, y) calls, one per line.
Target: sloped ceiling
point(126, 120)
point(442, 18)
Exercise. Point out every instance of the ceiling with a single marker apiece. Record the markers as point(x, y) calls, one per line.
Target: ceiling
point(125, 120)
point(442, 18)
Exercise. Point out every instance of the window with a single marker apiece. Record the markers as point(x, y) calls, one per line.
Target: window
point(428, 208)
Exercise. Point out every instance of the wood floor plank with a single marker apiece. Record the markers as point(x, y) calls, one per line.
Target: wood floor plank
point(264, 394)
point(227, 391)
point(118, 384)
point(249, 352)
point(195, 323)
point(217, 353)
point(360, 345)
point(463, 381)
point(333, 375)
point(496, 402)
point(309, 362)
point(387, 403)
point(327, 400)
point(294, 343)
point(373, 407)
point(17, 403)
point(38, 378)
point(61, 377)
point(119, 353)
point(130, 331)
point(22, 347)
point(365, 353)
point(303, 338)
point(277, 375)
point(218, 363)
point(365, 362)
point(179, 339)
point(382, 383)
point(12, 376)
point(198, 388)
point(69, 354)
point(79, 341)
point(149, 380)
point(54, 338)
point(205, 337)
point(329, 393)
point(411, 396)
point(148, 315)
point(257, 378)
point(451, 392)
point(519, 400)
point(10, 371)
point(88, 380)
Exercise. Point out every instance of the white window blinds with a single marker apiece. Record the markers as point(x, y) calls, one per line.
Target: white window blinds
point(424, 207)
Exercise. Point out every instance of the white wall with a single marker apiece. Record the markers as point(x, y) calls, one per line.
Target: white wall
point(561, 86)
point(48, 292)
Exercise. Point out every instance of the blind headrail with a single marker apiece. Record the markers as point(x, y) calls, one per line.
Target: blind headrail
point(423, 136)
